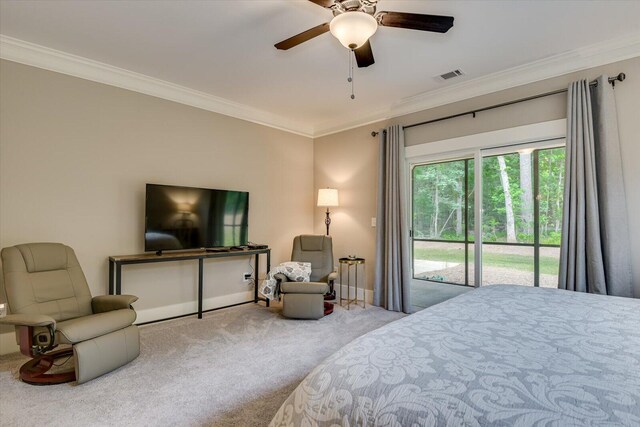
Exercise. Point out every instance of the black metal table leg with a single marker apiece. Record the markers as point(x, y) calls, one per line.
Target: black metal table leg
point(268, 269)
point(200, 286)
point(111, 287)
point(255, 278)
point(118, 278)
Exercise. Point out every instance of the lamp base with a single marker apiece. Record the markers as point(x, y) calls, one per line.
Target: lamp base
point(327, 221)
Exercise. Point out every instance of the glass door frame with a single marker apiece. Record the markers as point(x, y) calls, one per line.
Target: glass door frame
point(536, 147)
point(537, 136)
point(466, 240)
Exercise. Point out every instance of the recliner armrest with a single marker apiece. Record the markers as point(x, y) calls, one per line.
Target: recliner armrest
point(32, 320)
point(104, 303)
point(332, 276)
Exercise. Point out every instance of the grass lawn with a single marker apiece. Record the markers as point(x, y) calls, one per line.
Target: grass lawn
point(548, 265)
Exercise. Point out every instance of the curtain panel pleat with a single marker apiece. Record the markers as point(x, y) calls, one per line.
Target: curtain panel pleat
point(392, 269)
point(595, 249)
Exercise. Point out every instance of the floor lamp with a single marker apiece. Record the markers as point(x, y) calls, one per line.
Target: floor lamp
point(327, 197)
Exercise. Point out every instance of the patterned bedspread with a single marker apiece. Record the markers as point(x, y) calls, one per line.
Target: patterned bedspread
point(499, 356)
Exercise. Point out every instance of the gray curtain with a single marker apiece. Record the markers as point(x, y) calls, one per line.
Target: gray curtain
point(392, 267)
point(595, 250)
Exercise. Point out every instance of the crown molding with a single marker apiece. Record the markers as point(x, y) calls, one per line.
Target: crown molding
point(27, 53)
point(583, 58)
point(603, 53)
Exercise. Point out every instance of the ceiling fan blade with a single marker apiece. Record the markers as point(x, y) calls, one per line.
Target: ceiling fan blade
point(303, 37)
point(415, 21)
point(323, 3)
point(364, 55)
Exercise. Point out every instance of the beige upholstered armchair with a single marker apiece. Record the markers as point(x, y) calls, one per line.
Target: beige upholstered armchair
point(304, 300)
point(50, 304)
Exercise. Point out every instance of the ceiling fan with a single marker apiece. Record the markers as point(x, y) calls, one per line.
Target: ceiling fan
point(355, 21)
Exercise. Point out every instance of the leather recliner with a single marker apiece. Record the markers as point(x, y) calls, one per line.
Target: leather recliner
point(51, 304)
point(305, 300)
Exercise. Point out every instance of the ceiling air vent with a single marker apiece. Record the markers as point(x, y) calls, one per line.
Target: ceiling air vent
point(451, 74)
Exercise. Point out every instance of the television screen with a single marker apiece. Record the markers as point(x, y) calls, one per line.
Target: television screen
point(190, 218)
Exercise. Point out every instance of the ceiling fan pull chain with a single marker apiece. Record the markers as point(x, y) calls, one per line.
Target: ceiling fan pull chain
point(350, 79)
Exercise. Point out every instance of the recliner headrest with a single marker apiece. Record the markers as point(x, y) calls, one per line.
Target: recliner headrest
point(44, 256)
point(311, 242)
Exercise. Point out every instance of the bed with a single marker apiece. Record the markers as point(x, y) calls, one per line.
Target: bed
point(499, 355)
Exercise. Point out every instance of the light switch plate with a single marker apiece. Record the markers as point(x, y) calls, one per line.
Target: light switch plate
point(373, 222)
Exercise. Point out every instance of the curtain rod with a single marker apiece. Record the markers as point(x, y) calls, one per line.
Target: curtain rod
point(612, 80)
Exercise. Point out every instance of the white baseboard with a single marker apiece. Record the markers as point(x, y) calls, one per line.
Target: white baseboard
point(8, 340)
point(151, 314)
point(8, 343)
point(367, 294)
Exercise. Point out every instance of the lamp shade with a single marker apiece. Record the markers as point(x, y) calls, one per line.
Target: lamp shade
point(184, 207)
point(327, 197)
point(353, 29)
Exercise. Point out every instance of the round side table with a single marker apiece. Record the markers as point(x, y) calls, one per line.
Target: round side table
point(349, 262)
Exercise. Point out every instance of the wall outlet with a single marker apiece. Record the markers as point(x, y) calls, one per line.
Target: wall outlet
point(247, 277)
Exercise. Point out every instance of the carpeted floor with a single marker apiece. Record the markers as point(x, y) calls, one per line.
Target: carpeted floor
point(232, 368)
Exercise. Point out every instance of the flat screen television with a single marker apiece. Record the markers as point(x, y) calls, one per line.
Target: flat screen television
point(192, 218)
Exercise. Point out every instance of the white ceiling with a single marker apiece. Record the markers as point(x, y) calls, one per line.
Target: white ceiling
point(225, 48)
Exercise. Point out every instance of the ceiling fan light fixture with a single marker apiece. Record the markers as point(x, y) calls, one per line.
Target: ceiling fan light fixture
point(353, 29)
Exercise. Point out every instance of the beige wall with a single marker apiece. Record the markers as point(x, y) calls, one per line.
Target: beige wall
point(348, 160)
point(75, 156)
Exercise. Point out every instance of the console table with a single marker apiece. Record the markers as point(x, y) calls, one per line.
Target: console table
point(116, 263)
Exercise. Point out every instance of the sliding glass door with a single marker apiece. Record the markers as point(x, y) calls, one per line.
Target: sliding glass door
point(521, 216)
point(442, 218)
point(521, 205)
